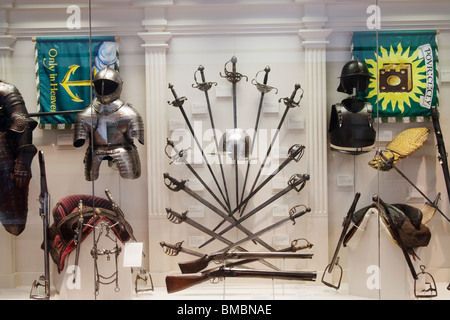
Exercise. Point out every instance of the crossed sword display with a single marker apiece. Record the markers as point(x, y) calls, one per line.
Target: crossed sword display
point(296, 182)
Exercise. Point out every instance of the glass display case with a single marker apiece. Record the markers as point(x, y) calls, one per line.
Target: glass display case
point(276, 149)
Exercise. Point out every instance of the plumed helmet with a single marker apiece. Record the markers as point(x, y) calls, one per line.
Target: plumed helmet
point(235, 143)
point(107, 85)
point(354, 74)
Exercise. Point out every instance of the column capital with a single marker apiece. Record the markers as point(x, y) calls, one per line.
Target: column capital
point(155, 40)
point(6, 44)
point(313, 38)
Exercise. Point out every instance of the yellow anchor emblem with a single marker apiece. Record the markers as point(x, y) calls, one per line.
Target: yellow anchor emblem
point(66, 83)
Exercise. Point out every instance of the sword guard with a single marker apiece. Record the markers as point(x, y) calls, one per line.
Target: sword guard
point(296, 152)
point(181, 154)
point(202, 86)
point(263, 87)
point(298, 181)
point(295, 247)
point(232, 76)
point(290, 102)
point(293, 211)
point(178, 102)
point(175, 217)
point(171, 249)
point(173, 184)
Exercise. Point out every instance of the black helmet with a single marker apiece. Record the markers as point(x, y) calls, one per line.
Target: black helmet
point(354, 74)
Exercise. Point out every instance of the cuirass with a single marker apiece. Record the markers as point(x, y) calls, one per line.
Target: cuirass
point(351, 131)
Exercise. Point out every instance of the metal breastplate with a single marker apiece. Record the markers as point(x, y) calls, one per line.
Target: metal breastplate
point(351, 132)
point(113, 128)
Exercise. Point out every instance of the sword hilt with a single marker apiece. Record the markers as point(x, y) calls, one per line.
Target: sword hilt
point(294, 214)
point(232, 76)
point(172, 183)
point(290, 102)
point(176, 217)
point(178, 102)
point(298, 181)
point(296, 152)
point(203, 86)
point(171, 249)
point(263, 87)
point(294, 247)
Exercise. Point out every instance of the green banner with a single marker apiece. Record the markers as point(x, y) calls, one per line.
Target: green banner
point(63, 74)
point(404, 71)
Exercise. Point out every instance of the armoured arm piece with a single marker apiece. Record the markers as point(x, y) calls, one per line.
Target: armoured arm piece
point(83, 125)
point(135, 128)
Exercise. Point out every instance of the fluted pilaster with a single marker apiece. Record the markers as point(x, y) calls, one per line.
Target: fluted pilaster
point(314, 42)
point(155, 44)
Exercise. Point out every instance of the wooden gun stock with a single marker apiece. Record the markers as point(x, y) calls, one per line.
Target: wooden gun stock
point(175, 283)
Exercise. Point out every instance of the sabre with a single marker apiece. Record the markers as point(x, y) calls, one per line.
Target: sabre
point(205, 86)
point(296, 182)
point(263, 88)
point(292, 216)
point(175, 249)
point(176, 185)
point(234, 77)
point(178, 102)
point(290, 103)
point(390, 163)
point(178, 218)
point(294, 153)
point(181, 155)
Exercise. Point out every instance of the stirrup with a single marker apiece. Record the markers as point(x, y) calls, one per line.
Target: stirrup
point(39, 289)
point(328, 269)
point(430, 289)
point(143, 281)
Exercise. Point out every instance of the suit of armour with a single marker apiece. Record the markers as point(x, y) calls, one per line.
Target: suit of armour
point(16, 154)
point(111, 126)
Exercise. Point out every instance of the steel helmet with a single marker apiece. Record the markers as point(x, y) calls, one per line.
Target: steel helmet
point(354, 74)
point(235, 143)
point(107, 85)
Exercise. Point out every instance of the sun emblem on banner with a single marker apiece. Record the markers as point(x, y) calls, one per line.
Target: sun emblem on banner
point(398, 78)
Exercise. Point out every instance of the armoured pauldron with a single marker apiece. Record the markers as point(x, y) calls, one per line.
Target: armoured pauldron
point(351, 131)
point(113, 128)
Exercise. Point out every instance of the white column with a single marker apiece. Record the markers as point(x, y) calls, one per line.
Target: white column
point(6, 49)
point(316, 125)
point(156, 45)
